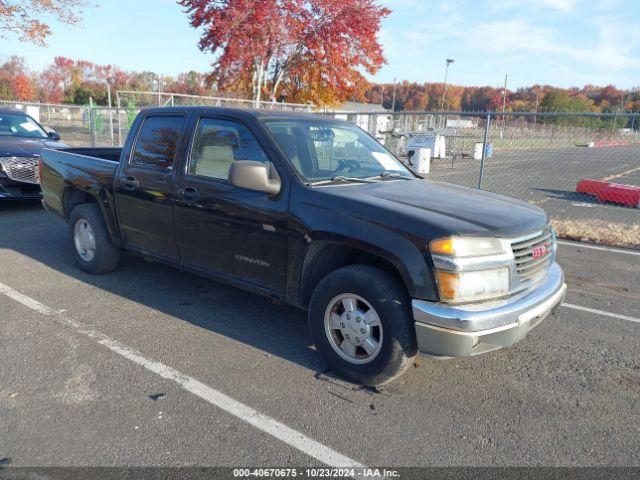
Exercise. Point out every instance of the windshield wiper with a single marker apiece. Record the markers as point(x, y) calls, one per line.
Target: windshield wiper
point(393, 175)
point(341, 179)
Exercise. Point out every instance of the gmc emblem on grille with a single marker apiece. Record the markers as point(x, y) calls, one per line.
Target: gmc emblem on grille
point(539, 251)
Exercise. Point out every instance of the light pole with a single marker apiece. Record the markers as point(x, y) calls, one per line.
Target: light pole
point(444, 93)
point(446, 73)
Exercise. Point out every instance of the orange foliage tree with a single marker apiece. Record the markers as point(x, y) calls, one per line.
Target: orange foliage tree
point(281, 47)
point(27, 18)
point(16, 82)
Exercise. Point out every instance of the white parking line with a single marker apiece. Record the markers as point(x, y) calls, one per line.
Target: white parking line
point(239, 410)
point(618, 175)
point(598, 247)
point(601, 312)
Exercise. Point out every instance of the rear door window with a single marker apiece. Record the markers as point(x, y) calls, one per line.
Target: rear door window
point(157, 142)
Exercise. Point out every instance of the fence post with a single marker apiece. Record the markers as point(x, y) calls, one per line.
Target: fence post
point(484, 149)
point(92, 124)
point(119, 121)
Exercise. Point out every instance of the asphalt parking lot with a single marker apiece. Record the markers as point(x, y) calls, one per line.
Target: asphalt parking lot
point(152, 366)
point(548, 177)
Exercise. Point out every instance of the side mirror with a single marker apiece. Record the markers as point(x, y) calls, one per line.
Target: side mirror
point(258, 176)
point(53, 135)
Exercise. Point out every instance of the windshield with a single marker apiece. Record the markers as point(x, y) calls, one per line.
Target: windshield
point(20, 125)
point(323, 149)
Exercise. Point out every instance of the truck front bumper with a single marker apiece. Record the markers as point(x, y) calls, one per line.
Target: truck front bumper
point(463, 330)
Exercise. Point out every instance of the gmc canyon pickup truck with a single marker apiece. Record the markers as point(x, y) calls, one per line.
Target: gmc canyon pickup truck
point(314, 212)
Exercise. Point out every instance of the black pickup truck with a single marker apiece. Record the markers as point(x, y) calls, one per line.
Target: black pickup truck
point(314, 212)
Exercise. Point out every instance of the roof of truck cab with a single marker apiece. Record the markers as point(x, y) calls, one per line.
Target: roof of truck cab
point(240, 112)
point(7, 111)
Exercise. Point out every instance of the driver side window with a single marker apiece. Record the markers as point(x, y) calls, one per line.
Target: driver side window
point(217, 144)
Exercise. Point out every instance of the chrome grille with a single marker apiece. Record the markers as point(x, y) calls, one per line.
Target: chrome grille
point(533, 255)
point(21, 169)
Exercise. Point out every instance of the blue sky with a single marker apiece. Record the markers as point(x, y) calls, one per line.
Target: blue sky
point(558, 42)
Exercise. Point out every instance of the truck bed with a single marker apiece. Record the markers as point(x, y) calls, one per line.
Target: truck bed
point(112, 154)
point(90, 170)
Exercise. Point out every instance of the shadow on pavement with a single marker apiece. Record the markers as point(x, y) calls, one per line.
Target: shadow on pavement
point(277, 329)
point(575, 197)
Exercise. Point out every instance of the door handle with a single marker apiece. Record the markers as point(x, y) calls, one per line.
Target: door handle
point(129, 183)
point(188, 194)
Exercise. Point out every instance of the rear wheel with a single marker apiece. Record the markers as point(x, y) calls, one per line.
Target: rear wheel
point(92, 247)
point(360, 321)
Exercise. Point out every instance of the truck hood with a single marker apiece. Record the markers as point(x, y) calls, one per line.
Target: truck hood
point(25, 147)
point(450, 208)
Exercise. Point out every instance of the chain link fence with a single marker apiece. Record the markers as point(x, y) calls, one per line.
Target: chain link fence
point(136, 99)
point(104, 126)
point(541, 158)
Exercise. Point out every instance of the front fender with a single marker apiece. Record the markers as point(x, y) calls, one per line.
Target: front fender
point(405, 254)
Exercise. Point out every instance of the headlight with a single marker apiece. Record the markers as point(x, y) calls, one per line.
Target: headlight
point(471, 269)
point(471, 286)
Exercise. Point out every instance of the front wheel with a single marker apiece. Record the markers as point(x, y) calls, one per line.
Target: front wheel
point(92, 247)
point(360, 321)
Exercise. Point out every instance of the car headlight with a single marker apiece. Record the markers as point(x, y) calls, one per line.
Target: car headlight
point(471, 269)
point(470, 286)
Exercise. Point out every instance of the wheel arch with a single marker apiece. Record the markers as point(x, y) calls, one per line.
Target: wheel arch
point(326, 256)
point(73, 196)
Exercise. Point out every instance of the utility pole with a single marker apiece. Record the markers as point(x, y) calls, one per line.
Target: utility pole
point(504, 94)
point(393, 99)
point(504, 104)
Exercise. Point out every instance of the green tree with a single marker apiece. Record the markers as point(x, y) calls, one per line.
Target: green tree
point(6, 92)
point(566, 101)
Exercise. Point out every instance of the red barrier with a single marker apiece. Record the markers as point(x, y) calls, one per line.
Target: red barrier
point(625, 194)
point(610, 192)
point(591, 187)
point(610, 143)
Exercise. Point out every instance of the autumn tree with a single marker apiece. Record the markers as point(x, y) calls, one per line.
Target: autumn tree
point(16, 81)
point(565, 101)
point(190, 83)
point(287, 46)
point(568, 101)
point(28, 18)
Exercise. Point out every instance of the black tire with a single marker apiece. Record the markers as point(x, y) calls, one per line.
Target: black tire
point(107, 255)
point(393, 307)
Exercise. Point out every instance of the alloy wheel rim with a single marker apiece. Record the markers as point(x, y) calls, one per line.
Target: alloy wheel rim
point(353, 328)
point(84, 240)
